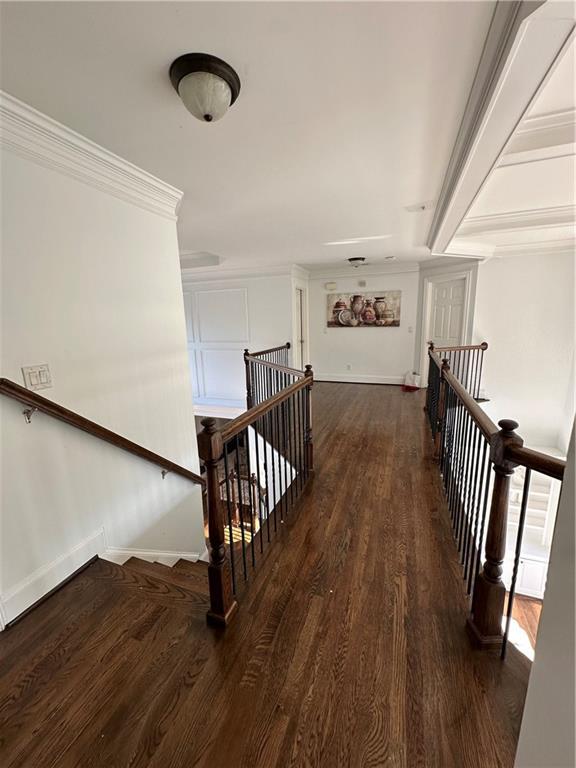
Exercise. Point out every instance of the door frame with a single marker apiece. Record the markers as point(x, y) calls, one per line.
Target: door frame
point(467, 316)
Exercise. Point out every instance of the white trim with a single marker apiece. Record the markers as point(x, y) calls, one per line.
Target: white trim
point(119, 555)
point(564, 246)
point(371, 271)
point(191, 277)
point(537, 218)
point(28, 591)
point(40, 139)
point(351, 378)
point(565, 118)
point(522, 49)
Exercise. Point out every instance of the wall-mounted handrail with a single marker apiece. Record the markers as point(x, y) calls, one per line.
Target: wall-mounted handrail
point(36, 402)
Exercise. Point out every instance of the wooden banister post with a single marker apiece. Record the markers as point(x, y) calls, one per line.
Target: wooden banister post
point(485, 621)
point(441, 410)
point(309, 438)
point(249, 392)
point(222, 602)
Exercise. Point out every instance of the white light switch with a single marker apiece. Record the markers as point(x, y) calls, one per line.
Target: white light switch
point(37, 377)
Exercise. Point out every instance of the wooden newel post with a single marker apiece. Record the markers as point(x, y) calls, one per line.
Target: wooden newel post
point(441, 409)
point(249, 393)
point(309, 438)
point(485, 621)
point(222, 602)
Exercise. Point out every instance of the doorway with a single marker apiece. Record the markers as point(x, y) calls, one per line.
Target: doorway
point(446, 314)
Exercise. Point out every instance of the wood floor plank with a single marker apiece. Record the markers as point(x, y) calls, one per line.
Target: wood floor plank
point(348, 651)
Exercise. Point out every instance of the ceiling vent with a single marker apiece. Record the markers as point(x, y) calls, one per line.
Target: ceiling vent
point(356, 261)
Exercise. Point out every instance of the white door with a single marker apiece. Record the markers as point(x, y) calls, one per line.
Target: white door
point(447, 312)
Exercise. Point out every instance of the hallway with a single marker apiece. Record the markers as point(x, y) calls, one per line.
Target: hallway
point(349, 647)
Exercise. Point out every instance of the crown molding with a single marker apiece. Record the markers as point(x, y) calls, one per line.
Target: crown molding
point(524, 43)
point(42, 140)
point(358, 274)
point(564, 118)
point(538, 218)
point(564, 247)
point(218, 273)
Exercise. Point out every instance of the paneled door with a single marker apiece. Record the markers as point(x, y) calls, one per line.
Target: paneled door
point(447, 312)
point(298, 358)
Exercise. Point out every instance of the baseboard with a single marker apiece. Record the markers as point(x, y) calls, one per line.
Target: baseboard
point(44, 579)
point(119, 556)
point(358, 378)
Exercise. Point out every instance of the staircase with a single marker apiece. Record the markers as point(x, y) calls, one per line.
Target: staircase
point(184, 585)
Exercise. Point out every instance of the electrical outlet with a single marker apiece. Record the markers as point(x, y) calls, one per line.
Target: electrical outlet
point(37, 377)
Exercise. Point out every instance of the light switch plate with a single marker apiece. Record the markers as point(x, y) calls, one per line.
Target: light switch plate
point(37, 377)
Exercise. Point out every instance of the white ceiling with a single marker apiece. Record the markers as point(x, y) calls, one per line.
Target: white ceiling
point(348, 112)
point(528, 202)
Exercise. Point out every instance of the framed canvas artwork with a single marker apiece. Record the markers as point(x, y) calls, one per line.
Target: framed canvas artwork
point(378, 309)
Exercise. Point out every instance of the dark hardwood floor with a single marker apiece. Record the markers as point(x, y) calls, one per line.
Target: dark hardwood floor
point(349, 648)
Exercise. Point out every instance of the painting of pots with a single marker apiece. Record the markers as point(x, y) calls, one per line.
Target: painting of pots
point(378, 309)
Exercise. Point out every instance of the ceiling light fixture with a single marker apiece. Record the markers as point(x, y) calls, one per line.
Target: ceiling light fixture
point(355, 240)
point(207, 85)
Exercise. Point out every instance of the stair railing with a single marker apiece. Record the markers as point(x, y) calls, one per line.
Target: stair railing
point(466, 363)
point(261, 382)
point(477, 459)
point(271, 442)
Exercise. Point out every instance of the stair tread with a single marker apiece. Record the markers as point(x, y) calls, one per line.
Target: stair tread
point(168, 574)
point(198, 569)
point(136, 582)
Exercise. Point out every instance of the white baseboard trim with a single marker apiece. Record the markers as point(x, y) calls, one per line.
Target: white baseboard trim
point(119, 556)
point(358, 378)
point(31, 589)
point(28, 591)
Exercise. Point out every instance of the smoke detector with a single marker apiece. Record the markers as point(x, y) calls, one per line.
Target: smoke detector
point(356, 261)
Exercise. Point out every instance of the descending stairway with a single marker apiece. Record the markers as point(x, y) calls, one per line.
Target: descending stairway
point(184, 585)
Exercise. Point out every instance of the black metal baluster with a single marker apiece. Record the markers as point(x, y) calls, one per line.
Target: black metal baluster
point(229, 513)
point(241, 504)
point(517, 552)
point(300, 440)
point(265, 448)
point(258, 483)
point(273, 457)
point(455, 461)
point(476, 544)
point(483, 522)
point(450, 479)
point(249, 486)
point(466, 474)
point(472, 496)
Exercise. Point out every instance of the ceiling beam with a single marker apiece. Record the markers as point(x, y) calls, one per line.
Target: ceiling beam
point(523, 43)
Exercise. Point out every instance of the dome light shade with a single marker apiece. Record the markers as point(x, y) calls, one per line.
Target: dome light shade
point(207, 85)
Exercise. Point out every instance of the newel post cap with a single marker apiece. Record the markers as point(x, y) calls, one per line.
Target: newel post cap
point(500, 441)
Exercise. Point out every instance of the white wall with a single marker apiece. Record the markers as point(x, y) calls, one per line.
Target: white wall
point(91, 286)
point(525, 311)
point(547, 732)
point(226, 316)
point(370, 355)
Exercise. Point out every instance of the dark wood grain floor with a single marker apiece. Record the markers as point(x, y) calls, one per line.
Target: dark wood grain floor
point(349, 648)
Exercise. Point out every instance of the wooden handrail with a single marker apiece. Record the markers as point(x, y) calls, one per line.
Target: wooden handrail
point(247, 418)
point(276, 366)
point(483, 421)
point(272, 349)
point(537, 461)
point(433, 348)
point(36, 402)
